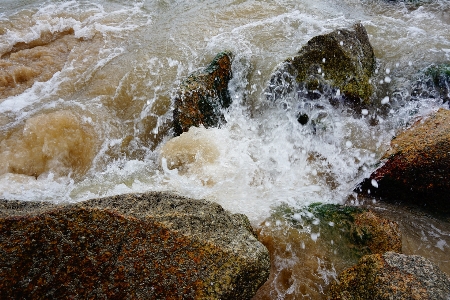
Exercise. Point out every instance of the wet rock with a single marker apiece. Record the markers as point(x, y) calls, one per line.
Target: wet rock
point(337, 66)
point(136, 246)
point(202, 97)
point(416, 169)
point(360, 229)
point(392, 276)
point(433, 83)
point(308, 246)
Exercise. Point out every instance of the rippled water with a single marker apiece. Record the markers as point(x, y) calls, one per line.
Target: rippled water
point(86, 88)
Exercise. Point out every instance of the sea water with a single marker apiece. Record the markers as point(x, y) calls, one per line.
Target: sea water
point(86, 89)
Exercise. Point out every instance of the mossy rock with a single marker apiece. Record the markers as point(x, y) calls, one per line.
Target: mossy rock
point(308, 245)
point(355, 231)
point(432, 82)
point(337, 66)
point(440, 74)
point(202, 96)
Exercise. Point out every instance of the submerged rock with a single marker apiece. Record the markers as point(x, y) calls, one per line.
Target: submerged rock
point(202, 96)
point(392, 276)
point(142, 246)
point(416, 169)
point(309, 246)
point(337, 66)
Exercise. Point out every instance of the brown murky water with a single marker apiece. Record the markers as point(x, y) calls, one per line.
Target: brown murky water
point(85, 111)
point(58, 142)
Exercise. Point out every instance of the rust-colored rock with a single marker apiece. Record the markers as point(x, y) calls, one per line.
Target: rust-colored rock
point(416, 169)
point(136, 246)
point(202, 96)
point(392, 276)
point(381, 235)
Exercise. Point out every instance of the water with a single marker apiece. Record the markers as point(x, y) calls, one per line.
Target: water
point(86, 87)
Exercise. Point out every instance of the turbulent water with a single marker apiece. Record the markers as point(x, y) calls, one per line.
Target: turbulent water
point(86, 89)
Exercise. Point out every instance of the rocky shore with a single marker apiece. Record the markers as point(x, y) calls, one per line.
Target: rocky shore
point(163, 246)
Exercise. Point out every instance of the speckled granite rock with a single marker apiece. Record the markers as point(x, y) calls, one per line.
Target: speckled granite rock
point(392, 276)
point(341, 60)
point(417, 167)
point(380, 235)
point(136, 246)
point(202, 96)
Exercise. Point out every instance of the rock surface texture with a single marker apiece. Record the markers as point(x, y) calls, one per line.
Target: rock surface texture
point(136, 246)
point(337, 66)
point(392, 276)
point(202, 96)
point(416, 169)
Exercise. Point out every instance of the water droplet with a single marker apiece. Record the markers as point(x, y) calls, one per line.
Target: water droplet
point(374, 183)
point(385, 100)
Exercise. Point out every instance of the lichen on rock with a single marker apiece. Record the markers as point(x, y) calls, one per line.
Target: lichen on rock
point(135, 246)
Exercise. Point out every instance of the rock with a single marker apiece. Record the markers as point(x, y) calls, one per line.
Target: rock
point(336, 66)
point(140, 246)
point(380, 235)
point(359, 229)
point(416, 169)
point(392, 276)
point(433, 83)
point(202, 96)
point(307, 246)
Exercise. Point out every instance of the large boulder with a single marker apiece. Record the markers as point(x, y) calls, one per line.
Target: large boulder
point(140, 246)
point(201, 98)
point(392, 276)
point(416, 169)
point(337, 66)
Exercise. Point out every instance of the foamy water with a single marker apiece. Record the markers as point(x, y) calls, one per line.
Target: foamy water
point(109, 90)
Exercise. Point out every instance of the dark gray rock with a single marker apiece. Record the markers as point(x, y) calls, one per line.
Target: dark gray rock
point(143, 246)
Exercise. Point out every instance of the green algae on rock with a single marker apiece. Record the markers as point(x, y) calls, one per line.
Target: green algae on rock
point(338, 65)
point(309, 246)
point(441, 79)
point(203, 95)
point(392, 276)
point(416, 169)
point(361, 231)
point(140, 246)
point(433, 82)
